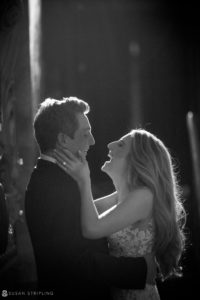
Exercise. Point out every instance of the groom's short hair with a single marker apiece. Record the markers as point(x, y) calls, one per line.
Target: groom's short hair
point(55, 116)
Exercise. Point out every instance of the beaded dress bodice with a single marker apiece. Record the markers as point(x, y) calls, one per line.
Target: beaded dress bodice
point(135, 240)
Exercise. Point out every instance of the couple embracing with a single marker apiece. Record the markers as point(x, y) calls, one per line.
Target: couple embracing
point(107, 248)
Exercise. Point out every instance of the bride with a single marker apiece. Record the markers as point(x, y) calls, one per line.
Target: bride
point(144, 214)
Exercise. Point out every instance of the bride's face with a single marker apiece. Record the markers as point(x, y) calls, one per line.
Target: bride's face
point(118, 151)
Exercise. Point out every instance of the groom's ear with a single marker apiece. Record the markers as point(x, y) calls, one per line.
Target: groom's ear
point(64, 140)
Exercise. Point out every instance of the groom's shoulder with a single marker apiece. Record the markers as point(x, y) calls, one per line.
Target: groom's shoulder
point(50, 179)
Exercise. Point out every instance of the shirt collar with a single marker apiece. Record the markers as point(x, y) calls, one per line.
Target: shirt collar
point(48, 158)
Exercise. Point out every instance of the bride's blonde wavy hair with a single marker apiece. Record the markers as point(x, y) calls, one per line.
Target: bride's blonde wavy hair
point(150, 164)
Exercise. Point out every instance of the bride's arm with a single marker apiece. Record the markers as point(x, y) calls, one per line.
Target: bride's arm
point(137, 206)
point(105, 203)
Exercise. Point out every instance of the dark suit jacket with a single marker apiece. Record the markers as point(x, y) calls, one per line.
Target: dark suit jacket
point(67, 262)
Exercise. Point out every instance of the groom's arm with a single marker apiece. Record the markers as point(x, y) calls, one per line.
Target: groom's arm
point(121, 272)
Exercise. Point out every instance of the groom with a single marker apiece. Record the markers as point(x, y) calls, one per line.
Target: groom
point(67, 263)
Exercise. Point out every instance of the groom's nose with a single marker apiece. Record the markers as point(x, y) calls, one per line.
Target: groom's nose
point(92, 140)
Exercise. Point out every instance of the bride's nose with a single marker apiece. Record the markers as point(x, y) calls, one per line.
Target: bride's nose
point(110, 145)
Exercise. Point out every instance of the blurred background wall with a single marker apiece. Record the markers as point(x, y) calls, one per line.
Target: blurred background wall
point(137, 63)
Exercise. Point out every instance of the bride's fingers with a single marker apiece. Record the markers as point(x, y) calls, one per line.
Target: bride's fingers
point(67, 153)
point(64, 165)
point(81, 156)
point(62, 160)
point(62, 156)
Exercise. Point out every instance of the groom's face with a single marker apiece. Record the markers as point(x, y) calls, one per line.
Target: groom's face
point(83, 137)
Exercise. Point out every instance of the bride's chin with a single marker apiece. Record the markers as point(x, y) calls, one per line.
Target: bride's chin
point(105, 167)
